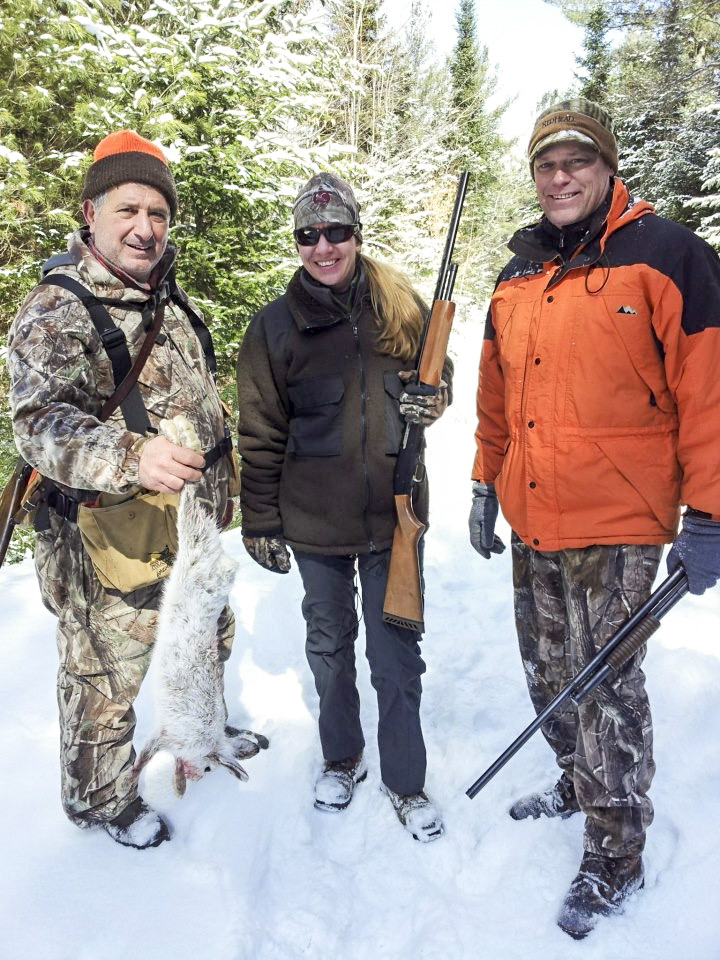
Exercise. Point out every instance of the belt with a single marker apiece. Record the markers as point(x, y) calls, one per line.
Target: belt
point(67, 507)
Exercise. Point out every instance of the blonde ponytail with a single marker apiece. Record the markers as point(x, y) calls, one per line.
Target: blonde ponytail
point(397, 307)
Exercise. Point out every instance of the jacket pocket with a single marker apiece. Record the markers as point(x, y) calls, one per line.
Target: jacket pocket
point(394, 422)
point(315, 428)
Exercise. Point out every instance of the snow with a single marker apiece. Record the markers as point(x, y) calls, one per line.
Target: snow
point(254, 872)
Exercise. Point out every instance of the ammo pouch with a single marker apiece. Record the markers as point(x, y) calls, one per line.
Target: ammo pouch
point(131, 539)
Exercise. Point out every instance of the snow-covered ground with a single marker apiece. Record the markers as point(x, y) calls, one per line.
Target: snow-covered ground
point(254, 872)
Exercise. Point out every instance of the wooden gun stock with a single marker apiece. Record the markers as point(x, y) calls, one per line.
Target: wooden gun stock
point(10, 503)
point(403, 604)
point(403, 595)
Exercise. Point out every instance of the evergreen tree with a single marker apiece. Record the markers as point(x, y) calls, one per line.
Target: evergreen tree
point(663, 91)
point(665, 85)
point(209, 80)
point(477, 147)
point(233, 94)
point(596, 62)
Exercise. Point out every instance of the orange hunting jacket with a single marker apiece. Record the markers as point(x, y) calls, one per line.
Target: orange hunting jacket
point(599, 388)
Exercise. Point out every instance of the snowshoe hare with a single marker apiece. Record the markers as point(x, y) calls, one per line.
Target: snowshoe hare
point(187, 675)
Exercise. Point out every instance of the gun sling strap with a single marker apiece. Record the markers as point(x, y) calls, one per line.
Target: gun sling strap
point(125, 372)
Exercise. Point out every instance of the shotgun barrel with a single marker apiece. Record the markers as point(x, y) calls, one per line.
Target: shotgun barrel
point(626, 641)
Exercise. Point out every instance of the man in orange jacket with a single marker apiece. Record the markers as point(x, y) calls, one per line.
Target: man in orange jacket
point(598, 404)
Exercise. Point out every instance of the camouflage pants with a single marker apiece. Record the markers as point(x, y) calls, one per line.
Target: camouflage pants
point(105, 641)
point(567, 605)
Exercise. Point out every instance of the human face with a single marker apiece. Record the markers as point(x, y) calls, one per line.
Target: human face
point(571, 182)
point(130, 228)
point(332, 264)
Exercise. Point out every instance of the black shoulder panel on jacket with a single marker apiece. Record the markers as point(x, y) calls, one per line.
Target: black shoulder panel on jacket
point(673, 250)
point(489, 327)
point(518, 267)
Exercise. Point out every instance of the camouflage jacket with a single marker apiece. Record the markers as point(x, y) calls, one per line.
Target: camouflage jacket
point(61, 375)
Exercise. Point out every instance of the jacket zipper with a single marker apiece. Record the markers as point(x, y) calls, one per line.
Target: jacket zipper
point(363, 430)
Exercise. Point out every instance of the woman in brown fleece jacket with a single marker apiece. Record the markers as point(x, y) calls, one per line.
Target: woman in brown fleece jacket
point(322, 403)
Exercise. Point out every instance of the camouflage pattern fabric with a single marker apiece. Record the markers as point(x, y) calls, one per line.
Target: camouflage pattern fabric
point(61, 376)
point(567, 605)
point(105, 641)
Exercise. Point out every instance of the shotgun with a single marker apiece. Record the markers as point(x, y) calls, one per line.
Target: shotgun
point(10, 503)
point(625, 642)
point(403, 605)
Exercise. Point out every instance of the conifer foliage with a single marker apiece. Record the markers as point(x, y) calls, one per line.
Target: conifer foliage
point(250, 97)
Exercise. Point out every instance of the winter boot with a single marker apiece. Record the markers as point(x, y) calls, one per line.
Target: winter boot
point(558, 801)
point(138, 826)
point(599, 890)
point(417, 814)
point(245, 743)
point(335, 785)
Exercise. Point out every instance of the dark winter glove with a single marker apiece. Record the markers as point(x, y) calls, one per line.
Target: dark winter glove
point(483, 515)
point(422, 404)
point(269, 552)
point(697, 550)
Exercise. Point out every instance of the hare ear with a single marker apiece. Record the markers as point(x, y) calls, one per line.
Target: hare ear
point(179, 780)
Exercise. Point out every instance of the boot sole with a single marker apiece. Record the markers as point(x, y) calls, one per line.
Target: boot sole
point(337, 807)
point(578, 933)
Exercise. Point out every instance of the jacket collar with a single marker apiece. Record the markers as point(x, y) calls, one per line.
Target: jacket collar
point(107, 283)
point(314, 306)
point(542, 242)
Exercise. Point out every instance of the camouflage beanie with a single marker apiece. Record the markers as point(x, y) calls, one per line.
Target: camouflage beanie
point(126, 157)
point(578, 120)
point(325, 198)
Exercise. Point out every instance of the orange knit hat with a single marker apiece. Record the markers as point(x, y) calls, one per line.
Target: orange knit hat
point(126, 157)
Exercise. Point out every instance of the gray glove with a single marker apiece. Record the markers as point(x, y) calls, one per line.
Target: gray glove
point(269, 552)
point(483, 515)
point(697, 550)
point(421, 404)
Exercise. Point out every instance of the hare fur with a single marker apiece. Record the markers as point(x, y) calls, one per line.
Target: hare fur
point(190, 710)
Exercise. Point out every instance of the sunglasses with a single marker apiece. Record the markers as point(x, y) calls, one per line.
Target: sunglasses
point(336, 233)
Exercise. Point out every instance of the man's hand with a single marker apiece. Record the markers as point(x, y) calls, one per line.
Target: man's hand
point(166, 467)
point(483, 515)
point(697, 550)
point(418, 405)
point(269, 552)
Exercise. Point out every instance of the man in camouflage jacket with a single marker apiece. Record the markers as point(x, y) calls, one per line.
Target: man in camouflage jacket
point(61, 376)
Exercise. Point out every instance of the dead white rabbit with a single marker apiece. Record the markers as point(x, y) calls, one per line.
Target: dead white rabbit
point(187, 675)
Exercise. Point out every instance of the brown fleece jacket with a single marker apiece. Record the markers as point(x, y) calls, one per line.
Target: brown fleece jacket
point(319, 424)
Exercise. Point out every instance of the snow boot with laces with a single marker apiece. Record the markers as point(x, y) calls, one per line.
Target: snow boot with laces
point(335, 785)
point(138, 826)
point(600, 889)
point(417, 813)
point(559, 801)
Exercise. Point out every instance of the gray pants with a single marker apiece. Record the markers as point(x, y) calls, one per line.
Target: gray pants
point(329, 609)
point(567, 605)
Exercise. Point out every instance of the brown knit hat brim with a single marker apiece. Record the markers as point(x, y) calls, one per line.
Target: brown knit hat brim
point(126, 157)
point(575, 120)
